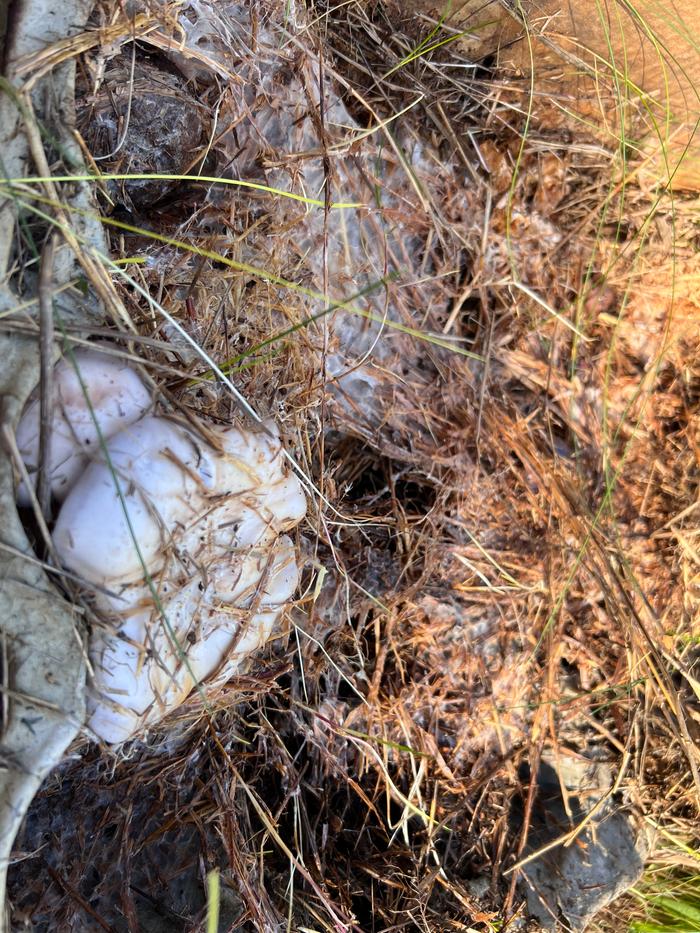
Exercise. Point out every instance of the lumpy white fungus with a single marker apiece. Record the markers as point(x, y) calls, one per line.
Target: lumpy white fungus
point(182, 542)
point(117, 398)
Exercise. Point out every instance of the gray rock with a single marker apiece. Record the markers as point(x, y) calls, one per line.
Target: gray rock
point(569, 884)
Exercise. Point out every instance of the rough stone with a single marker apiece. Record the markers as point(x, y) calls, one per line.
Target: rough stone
point(569, 884)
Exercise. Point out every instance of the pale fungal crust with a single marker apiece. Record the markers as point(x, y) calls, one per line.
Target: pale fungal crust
point(183, 542)
point(269, 110)
point(38, 626)
point(117, 398)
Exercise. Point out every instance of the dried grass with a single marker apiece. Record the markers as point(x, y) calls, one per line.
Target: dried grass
point(510, 567)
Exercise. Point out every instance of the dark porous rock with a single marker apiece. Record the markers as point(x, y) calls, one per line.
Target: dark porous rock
point(148, 125)
point(569, 884)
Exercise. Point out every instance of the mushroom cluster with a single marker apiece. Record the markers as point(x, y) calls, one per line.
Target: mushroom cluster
point(180, 539)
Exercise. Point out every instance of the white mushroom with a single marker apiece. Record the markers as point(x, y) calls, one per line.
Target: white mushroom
point(188, 540)
point(117, 398)
point(202, 633)
point(121, 513)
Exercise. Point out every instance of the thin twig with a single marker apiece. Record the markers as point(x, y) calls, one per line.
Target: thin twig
point(46, 389)
point(6, 692)
point(8, 438)
point(127, 116)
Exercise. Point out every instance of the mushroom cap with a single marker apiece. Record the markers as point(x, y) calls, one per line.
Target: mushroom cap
point(150, 667)
point(252, 462)
point(117, 398)
point(120, 516)
point(160, 487)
